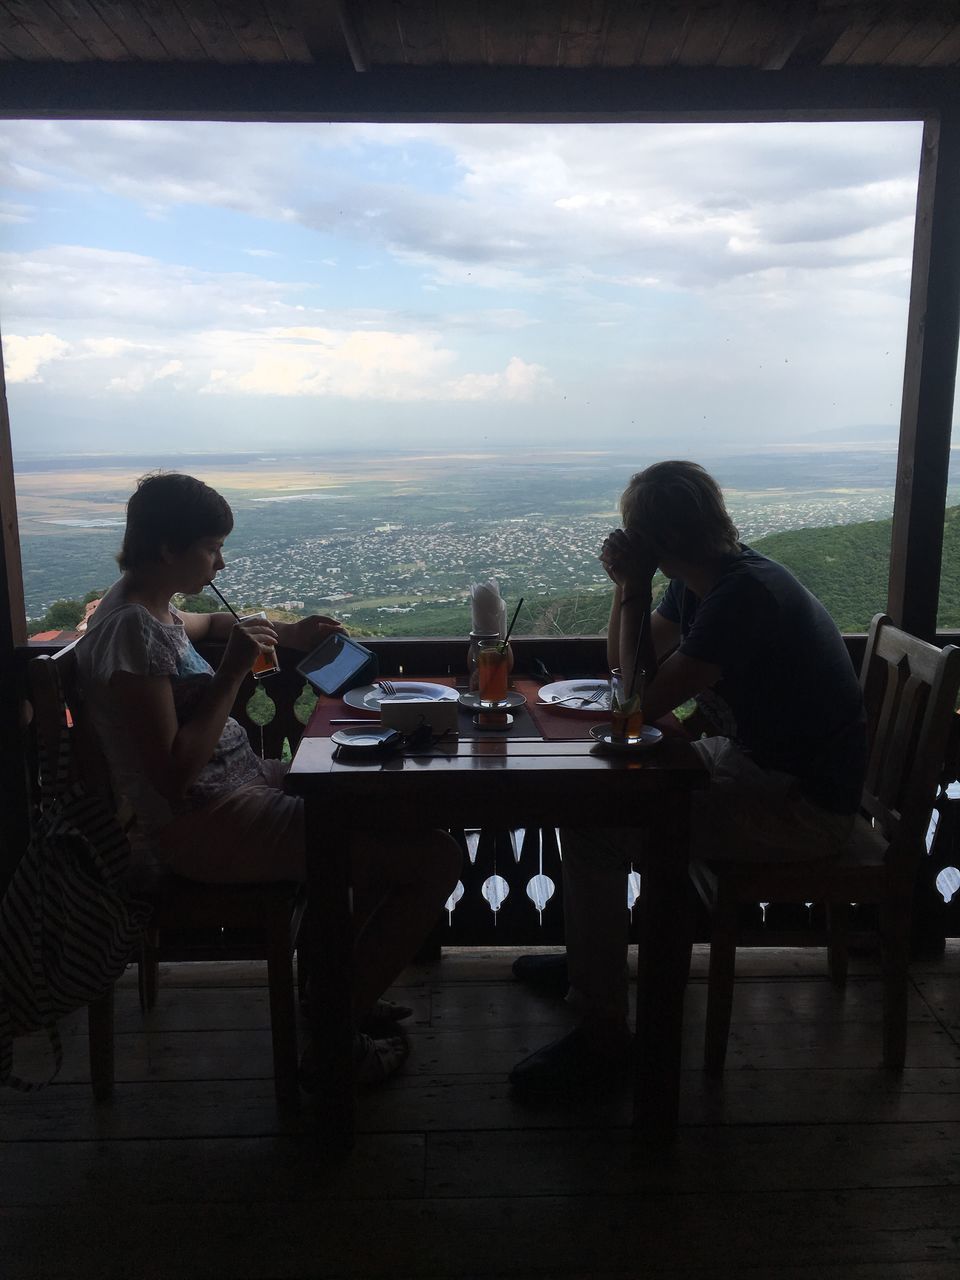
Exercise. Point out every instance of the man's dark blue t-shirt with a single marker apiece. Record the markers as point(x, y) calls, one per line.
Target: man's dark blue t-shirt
point(788, 694)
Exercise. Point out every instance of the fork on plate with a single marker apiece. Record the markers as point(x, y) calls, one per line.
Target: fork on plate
point(584, 699)
point(389, 689)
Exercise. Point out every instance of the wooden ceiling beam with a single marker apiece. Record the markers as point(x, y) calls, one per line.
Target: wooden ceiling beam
point(298, 92)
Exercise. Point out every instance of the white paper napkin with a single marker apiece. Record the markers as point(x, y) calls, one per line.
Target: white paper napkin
point(489, 609)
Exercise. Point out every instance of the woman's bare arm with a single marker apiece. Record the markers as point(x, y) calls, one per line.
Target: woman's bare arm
point(207, 626)
point(171, 754)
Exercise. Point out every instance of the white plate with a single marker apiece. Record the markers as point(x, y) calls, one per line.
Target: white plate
point(369, 696)
point(376, 738)
point(578, 692)
point(472, 700)
point(650, 735)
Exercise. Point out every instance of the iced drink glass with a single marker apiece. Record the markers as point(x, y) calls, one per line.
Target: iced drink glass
point(264, 664)
point(493, 667)
point(626, 717)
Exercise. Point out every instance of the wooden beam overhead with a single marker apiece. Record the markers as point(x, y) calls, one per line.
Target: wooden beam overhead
point(929, 381)
point(351, 35)
point(484, 94)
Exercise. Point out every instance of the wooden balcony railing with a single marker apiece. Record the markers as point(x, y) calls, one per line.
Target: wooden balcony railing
point(275, 713)
point(511, 889)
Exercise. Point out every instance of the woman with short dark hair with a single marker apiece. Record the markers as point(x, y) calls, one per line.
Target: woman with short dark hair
point(205, 805)
point(171, 510)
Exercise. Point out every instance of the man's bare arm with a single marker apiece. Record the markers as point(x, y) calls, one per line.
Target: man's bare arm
point(677, 680)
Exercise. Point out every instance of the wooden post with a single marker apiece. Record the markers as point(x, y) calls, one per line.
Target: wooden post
point(13, 782)
point(933, 334)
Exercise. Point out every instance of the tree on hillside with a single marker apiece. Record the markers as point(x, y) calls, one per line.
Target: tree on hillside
point(63, 615)
point(200, 603)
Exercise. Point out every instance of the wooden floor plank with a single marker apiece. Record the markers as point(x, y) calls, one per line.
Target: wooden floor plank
point(806, 1161)
point(608, 1163)
point(205, 1171)
point(209, 1009)
point(247, 1108)
point(156, 1109)
point(755, 1001)
point(741, 1098)
point(646, 1234)
point(941, 992)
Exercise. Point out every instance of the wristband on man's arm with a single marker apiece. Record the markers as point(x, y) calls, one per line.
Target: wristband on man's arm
point(636, 596)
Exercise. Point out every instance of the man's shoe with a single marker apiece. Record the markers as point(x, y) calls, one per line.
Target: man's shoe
point(546, 974)
point(573, 1065)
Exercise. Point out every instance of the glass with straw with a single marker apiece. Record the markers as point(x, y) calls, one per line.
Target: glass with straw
point(266, 662)
point(493, 670)
point(626, 702)
point(493, 665)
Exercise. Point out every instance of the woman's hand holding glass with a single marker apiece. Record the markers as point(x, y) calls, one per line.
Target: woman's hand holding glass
point(248, 639)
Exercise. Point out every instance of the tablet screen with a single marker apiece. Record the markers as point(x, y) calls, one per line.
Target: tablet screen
point(332, 666)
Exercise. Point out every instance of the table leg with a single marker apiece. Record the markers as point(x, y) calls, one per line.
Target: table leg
point(663, 965)
point(329, 940)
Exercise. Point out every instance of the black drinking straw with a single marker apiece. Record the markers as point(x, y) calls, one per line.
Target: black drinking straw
point(503, 642)
point(215, 588)
point(636, 657)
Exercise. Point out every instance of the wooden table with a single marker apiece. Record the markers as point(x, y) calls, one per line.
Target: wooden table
point(504, 782)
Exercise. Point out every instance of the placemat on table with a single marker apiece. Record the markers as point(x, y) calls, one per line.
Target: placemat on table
point(529, 721)
point(556, 723)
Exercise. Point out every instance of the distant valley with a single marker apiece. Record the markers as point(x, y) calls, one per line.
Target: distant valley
point(391, 543)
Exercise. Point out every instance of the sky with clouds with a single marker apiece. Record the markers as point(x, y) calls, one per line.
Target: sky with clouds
point(196, 286)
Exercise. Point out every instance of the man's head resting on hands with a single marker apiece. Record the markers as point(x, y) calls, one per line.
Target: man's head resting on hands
point(678, 509)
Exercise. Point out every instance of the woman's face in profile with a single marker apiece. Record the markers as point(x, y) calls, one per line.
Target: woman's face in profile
point(197, 564)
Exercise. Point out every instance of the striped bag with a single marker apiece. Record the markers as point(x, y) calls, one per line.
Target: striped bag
point(67, 926)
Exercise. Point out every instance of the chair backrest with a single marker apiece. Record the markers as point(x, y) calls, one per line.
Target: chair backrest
point(910, 689)
point(53, 689)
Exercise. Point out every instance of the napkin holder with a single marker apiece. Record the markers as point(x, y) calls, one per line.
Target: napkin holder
point(407, 716)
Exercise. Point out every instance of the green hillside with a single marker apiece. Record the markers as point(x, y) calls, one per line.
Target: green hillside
point(845, 566)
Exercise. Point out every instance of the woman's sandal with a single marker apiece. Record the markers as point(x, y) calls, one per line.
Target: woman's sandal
point(374, 1060)
point(377, 1060)
point(384, 1015)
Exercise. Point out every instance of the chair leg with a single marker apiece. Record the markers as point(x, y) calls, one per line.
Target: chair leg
point(894, 949)
point(100, 1040)
point(723, 960)
point(148, 969)
point(303, 961)
point(838, 917)
point(283, 1021)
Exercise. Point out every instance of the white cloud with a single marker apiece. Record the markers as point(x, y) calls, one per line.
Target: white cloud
point(128, 290)
point(519, 381)
point(139, 379)
point(109, 347)
point(678, 202)
point(23, 357)
point(752, 277)
point(14, 213)
point(357, 365)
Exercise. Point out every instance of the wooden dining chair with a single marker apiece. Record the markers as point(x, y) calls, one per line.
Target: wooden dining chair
point(910, 690)
point(268, 915)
